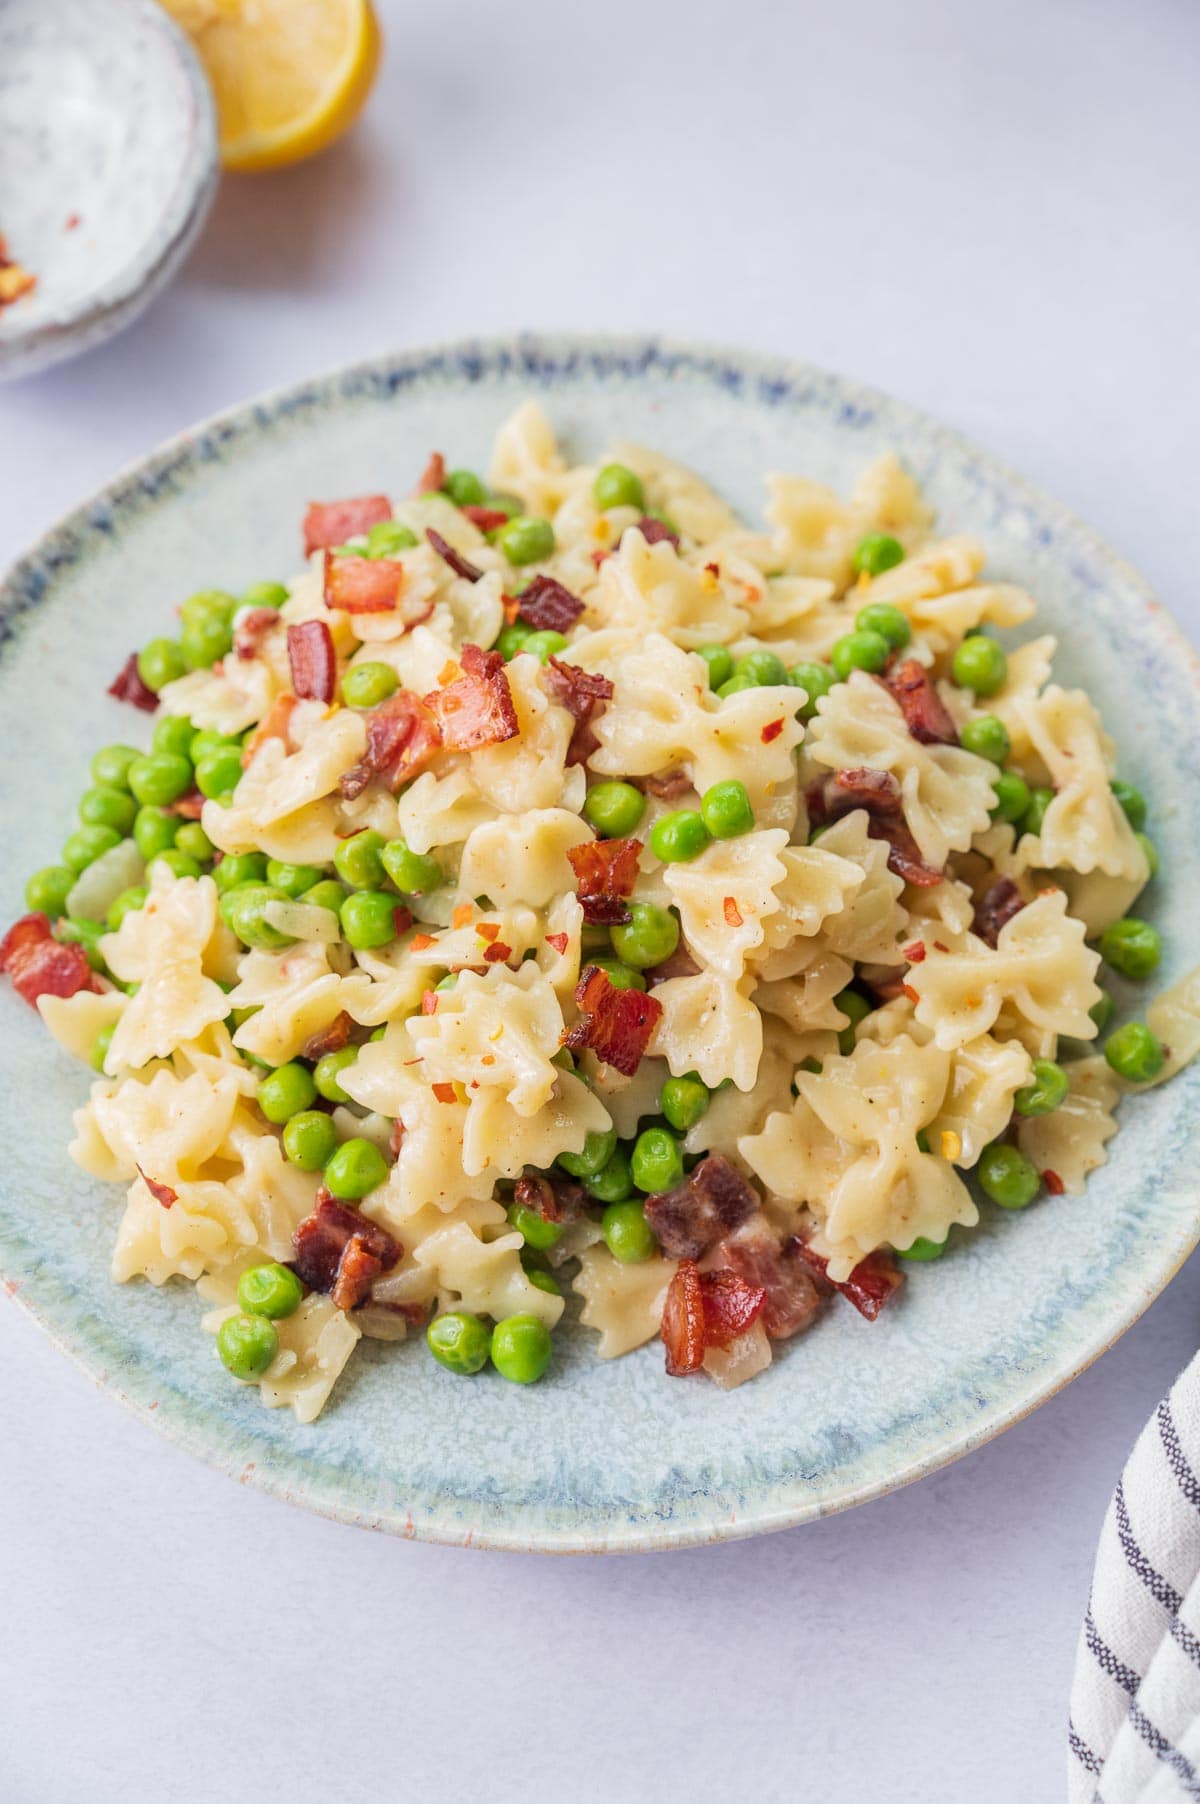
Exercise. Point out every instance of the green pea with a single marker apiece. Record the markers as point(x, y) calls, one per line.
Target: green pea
point(366, 685)
point(521, 1348)
point(368, 918)
point(177, 862)
point(270, 1290)
point(265, 595)
point(286, 1091)
point(614, 809)
point(544, 1281)
point(329, 1068)
point(244, 908)
point(1013, 796)
point(1103, 1011)
point(621, 976)
point(657, 1160)
point(1034, 816)
point(387, 537)
point(86, 844)
point(105, 807)
point(207, 740)
point(192, 840)
point(219, 772)
point(923, 1250)
point(676, 838)
point(1007, 1176)
point(100, 1046)
point(882, 618)
point(719, 659)
point(979, 664)
point(86, 934)
point(614, 1181)
point(627, 1234)
point(309, 1138)
point(648, 938)
point(449, 981)
point(110, 766)
point(598, 1149)
point(859, 651)
point(735, 685)
point(1135, 1053)
point(526, 540)
point(1151, 850)
point(1047, 1092)
point(508, 505)
point(355, 1169)
point(357, 860)
point(293, 879)
point(459, 1341)
point(851, 1003)
point(1132, 801)
point(544, 645)
point(160, 662)
point(247, 1345)
point(761, 668)
point(816, 680)
point(173, 733)
point(684, 1101)
point(240, 867)
point(154, 830)
point(725, 810)
point(464, 488)
point(616, 485)
point(47, 890)
point(326, 894)
point(537, 1231)
point(209, 604)
point(205, 642)
point(986, 736)
point(160, 777)
point(512, 639)
point(1131, 946)
point(127, 903)
point(878, 552)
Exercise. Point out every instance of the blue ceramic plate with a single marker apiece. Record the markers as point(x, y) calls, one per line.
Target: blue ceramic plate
point(598, 1456)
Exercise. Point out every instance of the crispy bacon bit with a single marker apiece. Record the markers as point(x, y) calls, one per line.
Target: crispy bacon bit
point(487, 519)
point(860, 787)
point(340, 1252)
point(680, 964)
point(925, 713)
point(709, 1204)
point(683, 1321)
point(583, 695)
point(731, 911)
point(251, 628)
point(275, 724)
point(365, 585)
point(616, 1024)
point(189, 807)
point(605, 873)
point(904, 854)
point(869, 1285)
point(433, 475)
point(548, 605)
point(421, 942)
point(1053, 1182)
point(328, 1039)
point(402, 918)
point(655, 532)
point(487, 930)
point(771, 731)
point(15, 279)
point(460, 565)
point(559, 941)
point(313, 661)
point(162, 1193)
point(995, 908)
point(667, 785)
point(478, 709)
point(496, 955)
point(915, 953)
point(329, 523)
point(445, 1092)
point(550, 1195)
point(127, 686)
point(730, 1306)
point(402, 736)
point(792, 1297)
point(429, 1002)
point(38, 965)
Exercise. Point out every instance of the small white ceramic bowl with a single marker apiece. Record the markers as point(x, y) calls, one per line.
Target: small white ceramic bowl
point(108, 165)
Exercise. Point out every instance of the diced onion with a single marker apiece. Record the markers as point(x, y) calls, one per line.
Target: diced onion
point(303, 921)
point(97, 888)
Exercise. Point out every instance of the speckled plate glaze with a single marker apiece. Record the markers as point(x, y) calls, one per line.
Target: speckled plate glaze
point(108, 165)
point(598, 1456)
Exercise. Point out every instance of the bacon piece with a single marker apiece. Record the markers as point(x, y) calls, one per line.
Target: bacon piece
point(329, 523)
point(402, 736)
point(460, 565)
point(860, 787)
point(995, 908)
point(683, 1321)
point(487, 519)
point(275, 724)
point(668, 785)
point(365, 585)
point(710, 1203)
point(162, 1193)
point(616, 1024)
point(433, 475)
point(869, 1285)
point(925, 713)
point(583, 694)
point(550, 1195)
point(904, 854)
point(340, 1252)
point(477, 709)
point(730, 1306)
point(680, 964)
point(189, 807)
point(605, 873)
point(38, 965)
point(251, 628)
point(1053, 1182)
point(792, 1297)
point(328, 1039)
point(313, 661)
point(548, 605)
point(127, 686)
point(655, 532)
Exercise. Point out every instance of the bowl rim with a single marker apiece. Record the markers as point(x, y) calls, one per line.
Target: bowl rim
point(100, 312)
point(151, 481)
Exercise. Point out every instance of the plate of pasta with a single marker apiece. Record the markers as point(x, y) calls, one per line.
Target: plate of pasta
point(599, 956)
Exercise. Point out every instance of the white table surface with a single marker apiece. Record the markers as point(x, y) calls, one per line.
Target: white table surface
point(991, 211)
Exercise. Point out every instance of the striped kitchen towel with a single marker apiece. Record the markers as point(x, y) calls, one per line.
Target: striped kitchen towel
point(1134, 1731)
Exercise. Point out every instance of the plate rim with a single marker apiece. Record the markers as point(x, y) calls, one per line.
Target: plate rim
point(66, 541)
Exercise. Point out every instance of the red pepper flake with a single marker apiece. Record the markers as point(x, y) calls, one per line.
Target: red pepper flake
point(328, 1039)
point(913, 995)
point(600, 557)
point(162, 1193)
point(366, 585)
point(478, 709)
point(463, 915)
point(772, 730)
point(313, 661)
point(329, 523)
point(496, 955)
point(713, 569)
point(870, 1285)
point(940, 946)
point(429, 1002)
point(916, 952)
point(433, 475)
point(73, 222)
point(445, 1092)
point(487, 1058)
point(38, 965)
point(127, 686)
point(605, 873)
point(1053, 1182)
point(402, 737)
point(340, 1252)
point(460, 565)
point(487, 519)
point(548, 605)
point(559, 941)
point(925, 713)
point(616, 1024)
point(487, 930)
point(733, 914)
point(420, 942)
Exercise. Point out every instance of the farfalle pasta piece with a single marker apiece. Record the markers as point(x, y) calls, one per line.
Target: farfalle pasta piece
point(497, 1137)
point(872, 925)
point(1175, 1017)
point(1028, 674)
point(315, 1344)
point(985, 1075)
point(526, 460)
point(938, 593)
point(816, 532)
point(167, 1125)
point(623, 1303)
point(485, 1277)
point(708, 1025)
point(438, 811)
point(529, 770)
point(226, 700)
point(523, 857)
point(686, 499)
point(726, 894)
point(501, 1030)
point(76, 1021)
point(161, 947)
point(806, 998)
point(1068, 1144)
point(294, 995)
point(1084, 828)
point(203, 1228)
point(649, 586)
